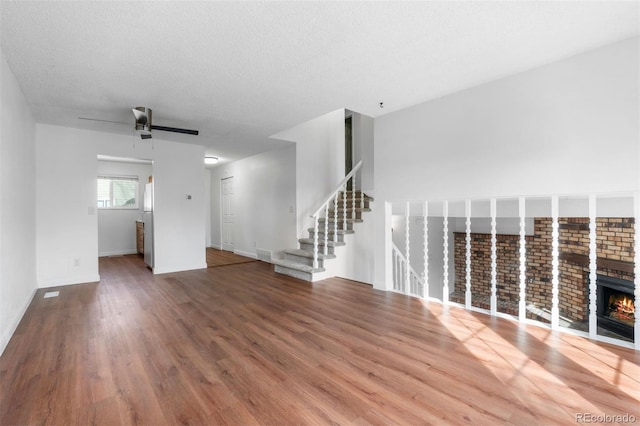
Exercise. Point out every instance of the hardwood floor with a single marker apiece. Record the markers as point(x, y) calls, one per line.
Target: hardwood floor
point(241, 345)
point(217, 258)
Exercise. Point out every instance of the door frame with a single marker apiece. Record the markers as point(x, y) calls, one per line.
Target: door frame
point(223, 246)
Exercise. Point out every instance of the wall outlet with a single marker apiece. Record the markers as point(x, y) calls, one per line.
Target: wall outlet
point(76, 262)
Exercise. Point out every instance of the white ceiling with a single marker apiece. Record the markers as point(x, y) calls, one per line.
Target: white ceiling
point(242, 71)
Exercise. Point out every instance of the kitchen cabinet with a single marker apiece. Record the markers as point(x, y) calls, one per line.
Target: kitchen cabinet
point(140, 236)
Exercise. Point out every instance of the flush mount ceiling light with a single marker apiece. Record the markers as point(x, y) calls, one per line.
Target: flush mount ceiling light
point(210, 160)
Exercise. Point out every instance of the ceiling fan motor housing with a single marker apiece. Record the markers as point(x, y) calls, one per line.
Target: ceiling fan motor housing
point(143, 120)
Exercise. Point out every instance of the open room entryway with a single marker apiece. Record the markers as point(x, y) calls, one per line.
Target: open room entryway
point(125, 207)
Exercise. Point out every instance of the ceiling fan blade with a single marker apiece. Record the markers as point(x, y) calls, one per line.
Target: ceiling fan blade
point(175, 130)
point(105, 121)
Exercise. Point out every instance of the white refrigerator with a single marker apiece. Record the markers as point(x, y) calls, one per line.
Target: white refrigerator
point(147, 218)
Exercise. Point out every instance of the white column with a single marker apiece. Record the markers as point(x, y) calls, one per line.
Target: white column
point(407, 249)
point(445, 252)
point(593, 268)
point(494, 257)
point(636, 205)
point(555, 263)
point(522, 304)
point(467, 293)
point(425, 233)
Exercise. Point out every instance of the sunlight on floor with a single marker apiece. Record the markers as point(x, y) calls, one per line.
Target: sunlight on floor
point(530, 381)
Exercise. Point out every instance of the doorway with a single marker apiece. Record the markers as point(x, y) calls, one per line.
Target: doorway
point(348, 150)
point(228, 219)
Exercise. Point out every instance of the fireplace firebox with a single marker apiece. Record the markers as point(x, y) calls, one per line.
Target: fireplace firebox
point(615, 307)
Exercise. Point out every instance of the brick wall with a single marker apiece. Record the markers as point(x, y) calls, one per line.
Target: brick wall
point(615, 241)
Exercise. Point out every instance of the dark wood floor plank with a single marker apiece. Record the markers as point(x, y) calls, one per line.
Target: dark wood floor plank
point(239, 344)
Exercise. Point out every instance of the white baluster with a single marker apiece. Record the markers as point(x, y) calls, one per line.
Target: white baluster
point(326, 229)
point(361, 192)
point(494, 258)
point(593, 268)
point(445, 252)
point(425, 233)
point(315, 242)
point(636, 205)
point(555, 263)
point(353, 197)
point(407, 250)
point(344, 207)
point(467, 293)
point(335, 217)
point(522, 305)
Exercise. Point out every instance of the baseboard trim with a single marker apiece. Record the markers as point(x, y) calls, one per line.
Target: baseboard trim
point(216, 246)
point(246, 254)
point(6, 337)
point(118, 253)
point(83, 279)
point(157, 271)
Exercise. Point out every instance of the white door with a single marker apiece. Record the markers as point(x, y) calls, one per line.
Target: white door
point(227, 214)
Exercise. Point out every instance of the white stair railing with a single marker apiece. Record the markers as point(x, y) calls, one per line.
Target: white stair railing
point(405, 279)
point(324, 208)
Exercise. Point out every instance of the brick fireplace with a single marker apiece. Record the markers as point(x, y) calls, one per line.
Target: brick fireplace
point(615, 251)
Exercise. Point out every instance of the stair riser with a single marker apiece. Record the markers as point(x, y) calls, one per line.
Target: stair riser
point(304, 260)
point(350, 204)
point(340, 225)
point(305, 276)
point(309, 247)
point(349, 215)
point(321, 236)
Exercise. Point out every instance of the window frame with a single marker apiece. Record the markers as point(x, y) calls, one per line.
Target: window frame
point(112, 178)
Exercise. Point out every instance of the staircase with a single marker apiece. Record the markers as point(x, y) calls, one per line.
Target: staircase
point(332, 223)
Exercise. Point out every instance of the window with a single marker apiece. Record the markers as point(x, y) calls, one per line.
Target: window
point(117, 192)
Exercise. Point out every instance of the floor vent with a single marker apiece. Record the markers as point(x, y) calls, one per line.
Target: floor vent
point(49, 294)
point(264, 255)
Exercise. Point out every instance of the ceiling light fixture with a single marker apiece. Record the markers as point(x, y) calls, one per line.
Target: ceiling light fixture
point(210, 160)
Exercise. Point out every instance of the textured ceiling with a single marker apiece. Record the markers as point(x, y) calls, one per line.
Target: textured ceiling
point(242, 71)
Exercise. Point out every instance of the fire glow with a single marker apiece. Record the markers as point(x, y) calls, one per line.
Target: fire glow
point(621, 307)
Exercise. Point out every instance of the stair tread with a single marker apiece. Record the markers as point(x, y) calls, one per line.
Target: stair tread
point(349, 208)
point(297, 266)
point(340, 231)
point(306, 253)
point(340, 219)
point(358, 197)
point(321, 243)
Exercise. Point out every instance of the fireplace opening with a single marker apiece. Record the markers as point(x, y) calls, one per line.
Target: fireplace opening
point(615, 307)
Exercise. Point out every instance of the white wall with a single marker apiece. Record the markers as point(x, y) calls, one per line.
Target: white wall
point(264, 195)
point(17, 205)
point(179, 228)
point(207, 212)
point(117, 227)
point(362, 131)
point(539, 132)
point(320, 161)
point(67, 229)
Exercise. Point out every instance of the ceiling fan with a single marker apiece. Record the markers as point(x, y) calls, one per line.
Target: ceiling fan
point(143, 125)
